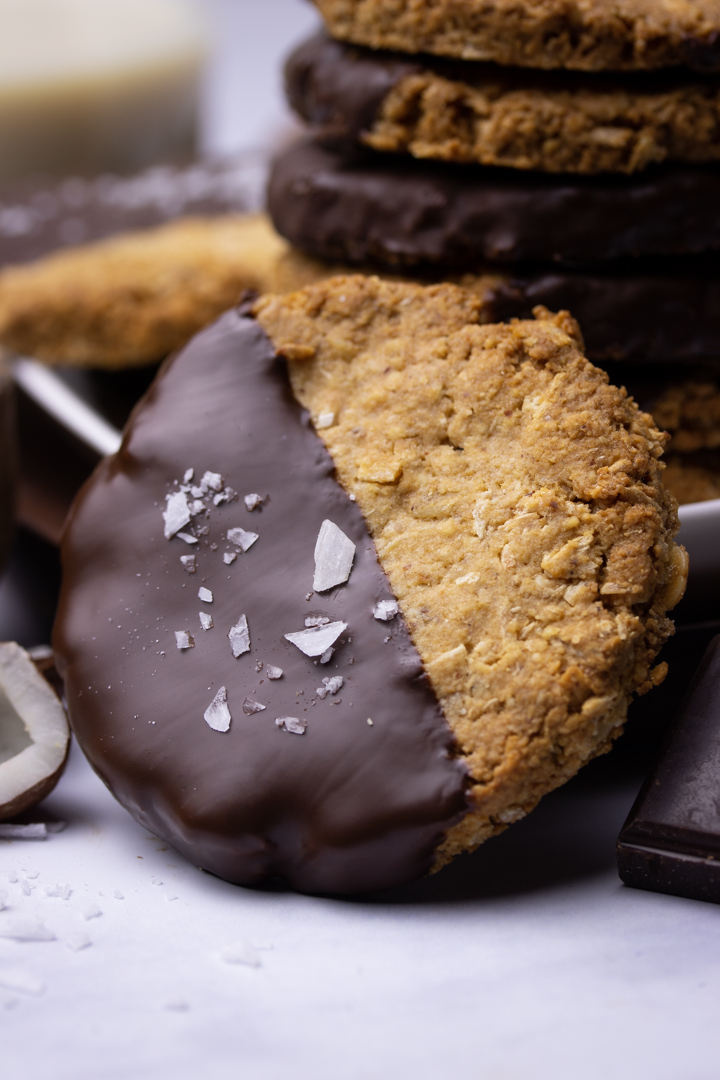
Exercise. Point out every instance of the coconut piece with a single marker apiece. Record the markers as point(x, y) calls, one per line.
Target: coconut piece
point(316, 640)
point(34, 733)
point(334, 554)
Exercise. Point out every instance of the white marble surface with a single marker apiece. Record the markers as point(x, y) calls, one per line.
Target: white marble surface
point(526, 960)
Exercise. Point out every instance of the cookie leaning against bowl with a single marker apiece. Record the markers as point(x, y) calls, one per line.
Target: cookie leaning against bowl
point(589, 35)
point(515, 502)
point(466, 111)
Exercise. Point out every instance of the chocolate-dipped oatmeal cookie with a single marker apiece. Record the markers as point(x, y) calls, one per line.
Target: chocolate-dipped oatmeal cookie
point(408, 627)
point(589, 35)
point(473, 112)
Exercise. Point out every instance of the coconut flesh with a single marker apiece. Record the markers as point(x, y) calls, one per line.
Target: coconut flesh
point(34, 733)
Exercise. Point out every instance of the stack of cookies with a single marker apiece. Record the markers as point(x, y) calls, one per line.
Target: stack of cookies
point(563, 153)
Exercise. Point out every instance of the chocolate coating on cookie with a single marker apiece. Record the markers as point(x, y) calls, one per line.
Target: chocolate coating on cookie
point(401, 212)
point(344, 807)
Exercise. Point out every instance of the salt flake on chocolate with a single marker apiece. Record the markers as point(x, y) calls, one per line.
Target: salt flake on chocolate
point(385, 610)
point(291, 724)
point(205, 595)
point(229, 557)
point(188, 538)
point(217, 715)
point(250, 706)
point(184, 640)
point(273, 672)
point(252, 501)
point(205, 620)
point(188, 562)
point(213, 480)
point(325, 420)
point(317, 639)
point(334, 554)
point(239, 635)
point(188, 475)
point(317, 620)
point(241, 538)
point(176, 514)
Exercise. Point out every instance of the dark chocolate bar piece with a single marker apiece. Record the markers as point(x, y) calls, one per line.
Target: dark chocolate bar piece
point(671, 840)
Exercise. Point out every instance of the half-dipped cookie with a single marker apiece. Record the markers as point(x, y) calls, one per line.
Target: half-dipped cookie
point(338, 634)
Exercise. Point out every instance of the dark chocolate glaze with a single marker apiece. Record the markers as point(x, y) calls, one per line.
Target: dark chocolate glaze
point(671, 839)
point(398, 211)
point(631, 314)
point(338, 88)
point(346, 807)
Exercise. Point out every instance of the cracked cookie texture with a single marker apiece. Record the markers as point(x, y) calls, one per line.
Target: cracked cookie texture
point(516, 501)
point(587, 35)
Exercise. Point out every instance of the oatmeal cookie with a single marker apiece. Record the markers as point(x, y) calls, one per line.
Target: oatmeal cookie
point(132, 299)
point(516, 502)
point(589, 35)
point(466, 111)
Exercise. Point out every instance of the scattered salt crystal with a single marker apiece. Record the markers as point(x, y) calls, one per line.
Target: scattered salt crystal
point(188, 538)
point(241, 538)
point(325, 420)
point(184, 640)
point(188, 475)
point(369, 721)
point(327, 656)
point(197, 507)
point(227, 495)
point(202, 530)
point(316, 620)
point(317, 639)
point(239, 636)
point(26, 982)
point(385, 610)
point(273, 672)
point(229, 557)
point(258, 665)
point(351, 498)
point(63, 891)
point(188, 562)
point(242, 952)
point(213, 480)
point(334, 553)
point(217, 714)
point(25, 929)
point(205, 620)
point(36, 831)
point(330, 686)
point(252, 501)
point(118, 895)
point(198, 492)
point(205, 595)
point(292, 724)
point(177, 513)
point(91, 911)
point(250, 706)
point(78, 940)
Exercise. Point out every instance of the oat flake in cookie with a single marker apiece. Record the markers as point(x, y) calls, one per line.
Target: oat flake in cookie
point(515, 503)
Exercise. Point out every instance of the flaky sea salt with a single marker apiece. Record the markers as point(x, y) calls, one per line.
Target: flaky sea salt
point(327, 656)
point(292, 724)
point(239, 636)
point(385, 610)
point(205, 620)
point(188, 475)
point(252, 501)
point(184, 640)
point(188, 538)
point(213, 480)
point(317, 620)
point(273, 672)
point(334, 554)
point(229, 557)
point(176, 515)
point(325, 420)
point(205, 595)
point(250, 706)
point(188, 562)
point(241, 538)
point(217, 715)
point(315, 640)
point(330, 686)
